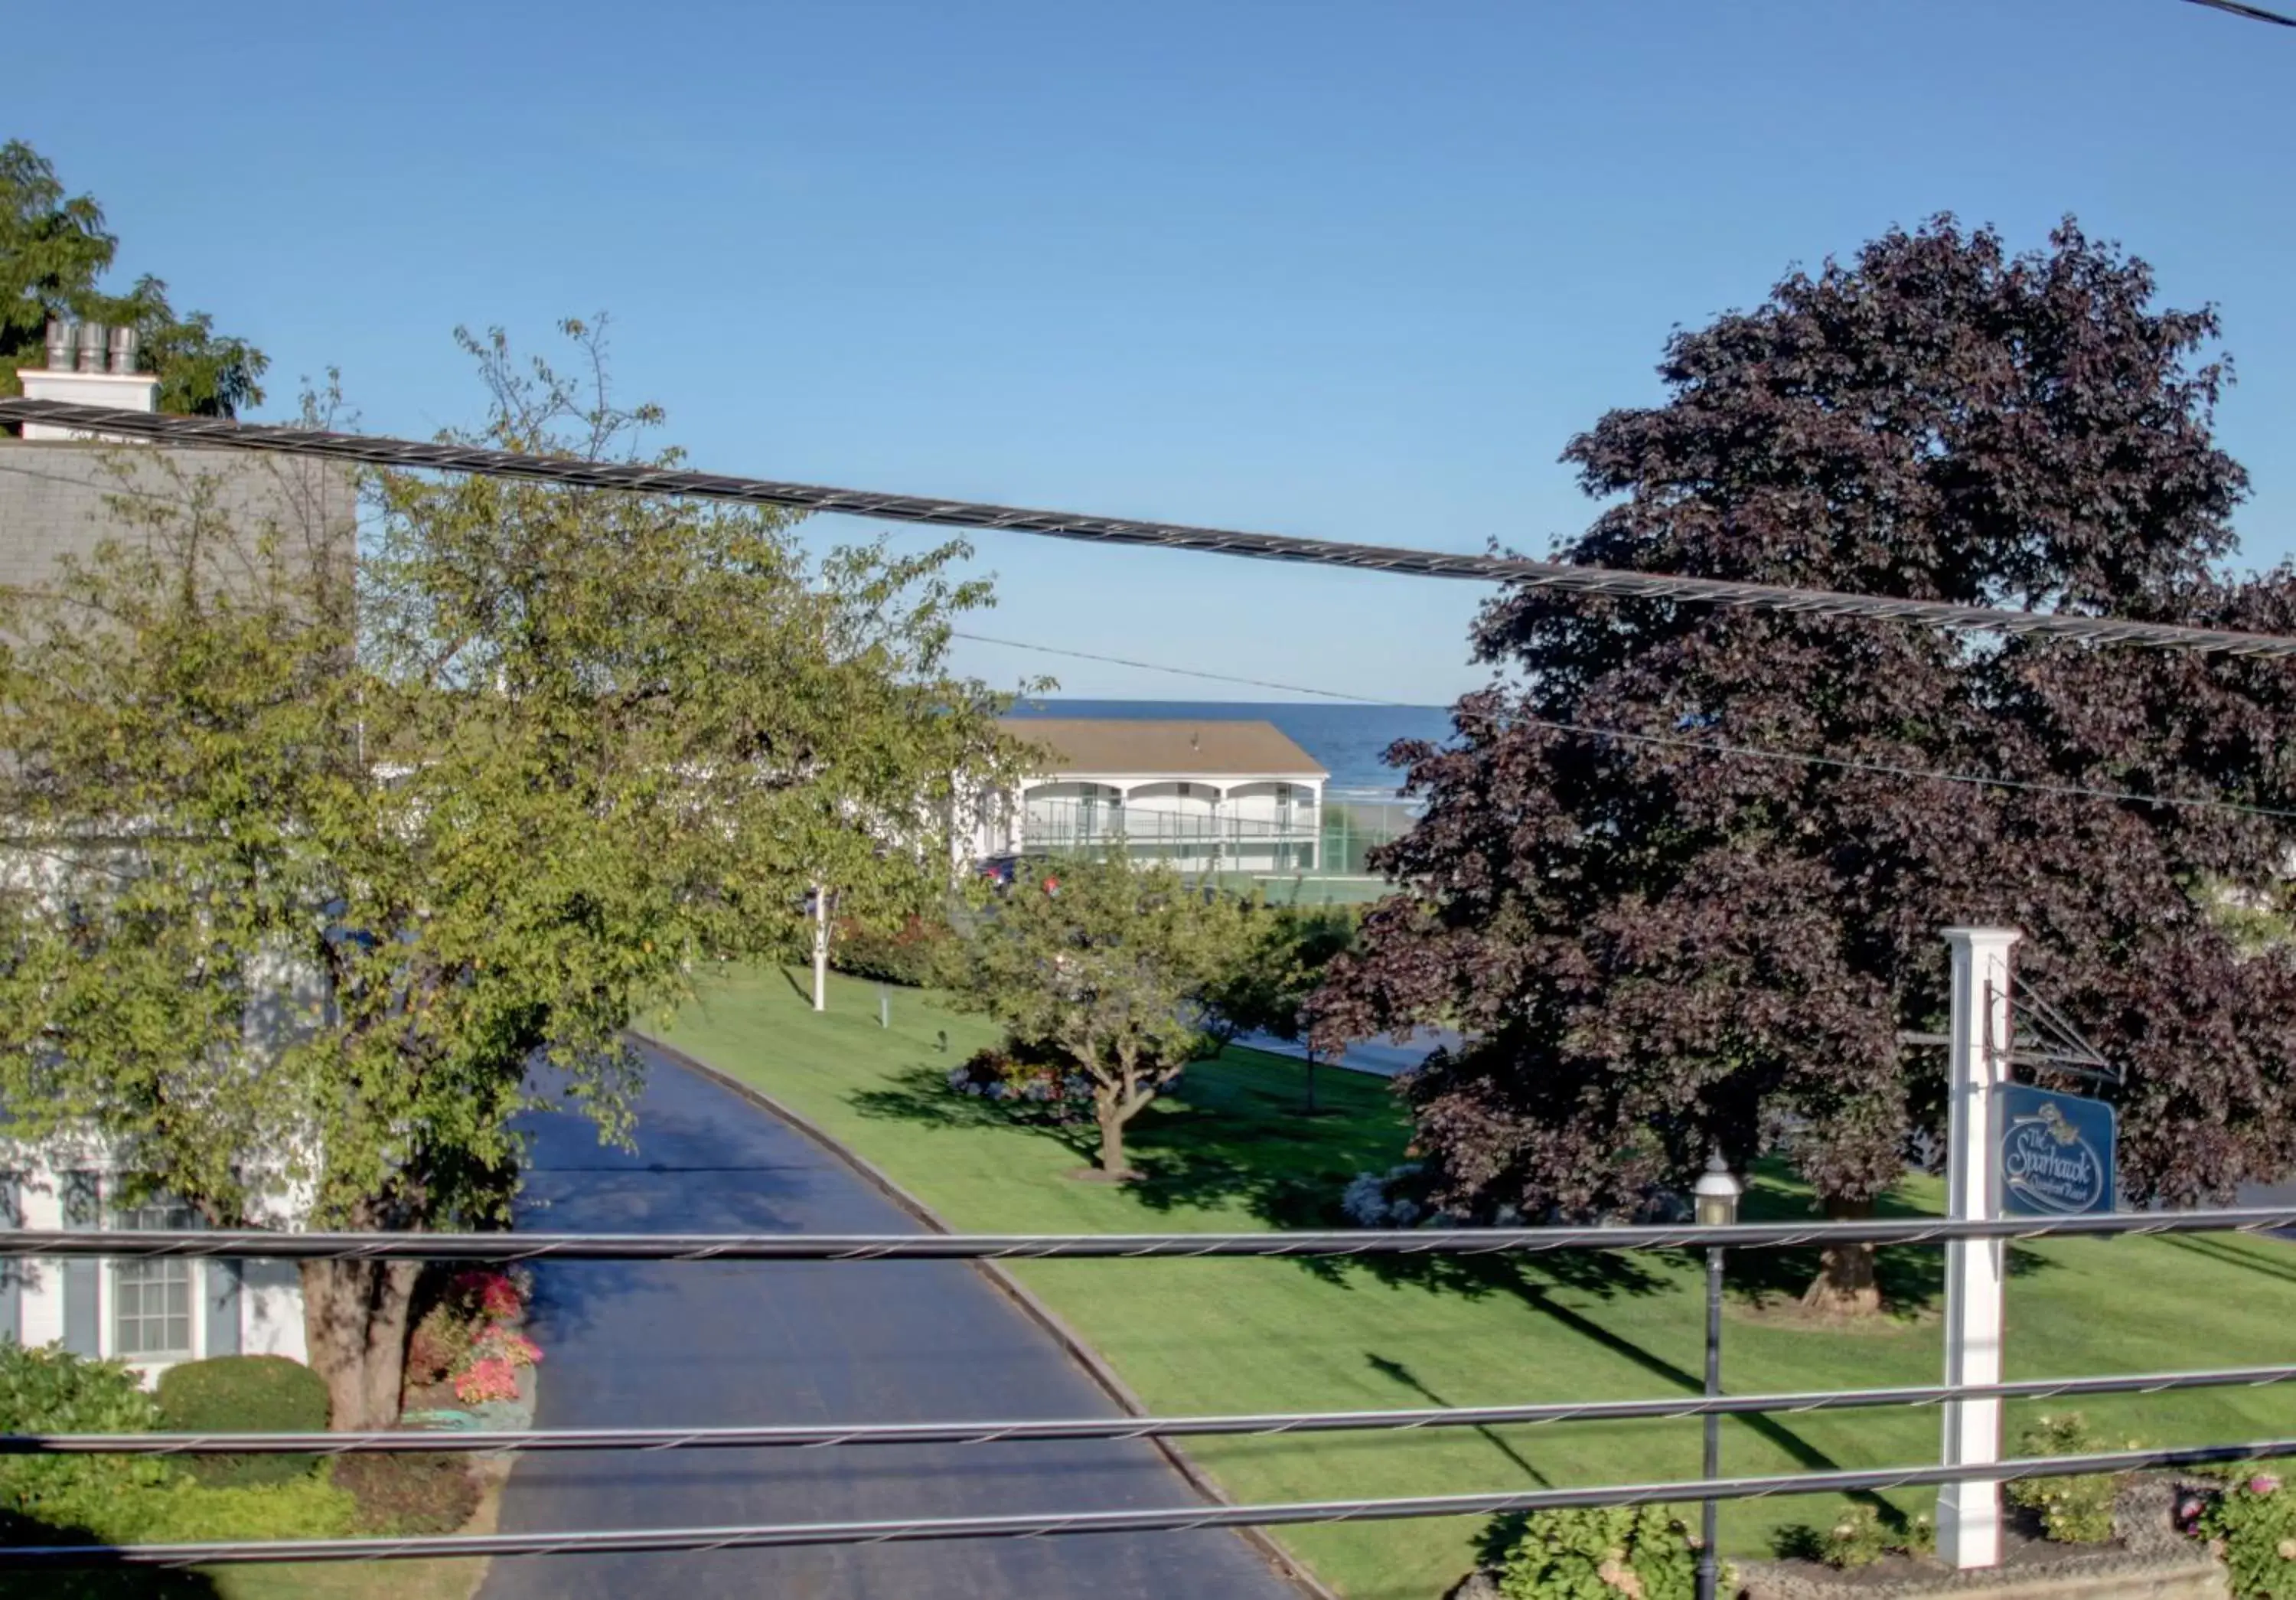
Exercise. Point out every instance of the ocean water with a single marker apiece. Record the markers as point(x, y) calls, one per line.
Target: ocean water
point(1350, 740)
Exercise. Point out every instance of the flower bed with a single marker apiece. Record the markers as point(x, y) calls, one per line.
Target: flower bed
point(468, 1349)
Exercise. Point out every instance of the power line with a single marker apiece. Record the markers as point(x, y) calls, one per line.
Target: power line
point(376, 450)
point(1748, 752)
point(1156, 1520)
point(815, 1436)
point(266, 1245)
point(2254, 13)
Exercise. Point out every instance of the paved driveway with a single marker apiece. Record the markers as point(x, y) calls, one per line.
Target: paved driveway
point(673, 1343)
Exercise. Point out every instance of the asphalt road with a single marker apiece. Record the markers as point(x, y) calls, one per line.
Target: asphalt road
point(1380, 1057)
point(704, 1342)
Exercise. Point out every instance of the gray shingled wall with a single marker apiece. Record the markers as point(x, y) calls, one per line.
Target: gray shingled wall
point(58, 497)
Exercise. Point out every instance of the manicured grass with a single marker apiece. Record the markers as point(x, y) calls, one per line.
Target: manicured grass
point(1231, 1150)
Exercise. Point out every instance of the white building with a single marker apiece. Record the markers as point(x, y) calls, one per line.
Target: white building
point(56, 503)
point(1207, 795)
point(149, 1313)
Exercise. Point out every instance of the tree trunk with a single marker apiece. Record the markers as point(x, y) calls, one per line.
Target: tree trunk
point(1846, 1285)
point(355, 1327)
point(1110, 1115)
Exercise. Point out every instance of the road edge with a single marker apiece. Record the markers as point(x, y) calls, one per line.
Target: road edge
point(1287, 1566)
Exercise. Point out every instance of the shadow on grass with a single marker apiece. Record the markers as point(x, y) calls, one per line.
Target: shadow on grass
point(101, 1580)
point(1911, 1277)
point(2230, 1254)
point(1404, 1376)
point(1229, 1134)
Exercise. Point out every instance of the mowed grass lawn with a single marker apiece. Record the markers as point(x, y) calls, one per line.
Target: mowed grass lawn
point(1231, 1150)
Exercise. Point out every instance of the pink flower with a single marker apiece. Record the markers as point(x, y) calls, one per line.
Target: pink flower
point(500, 1299)
point(490, 1379)
point(2264, 1483)
point(499, 1343)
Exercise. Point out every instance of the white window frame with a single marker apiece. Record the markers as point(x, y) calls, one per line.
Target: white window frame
point(107, 1290)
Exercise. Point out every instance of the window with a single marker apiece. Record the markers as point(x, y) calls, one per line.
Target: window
point(151, 1298)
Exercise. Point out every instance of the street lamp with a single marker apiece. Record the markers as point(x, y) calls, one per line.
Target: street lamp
point(1716, 1194)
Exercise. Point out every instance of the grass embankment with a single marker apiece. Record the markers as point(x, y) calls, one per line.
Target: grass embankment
point(1231, 1151)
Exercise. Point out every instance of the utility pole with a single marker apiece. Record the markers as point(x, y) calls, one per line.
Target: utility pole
point(1968, 1515)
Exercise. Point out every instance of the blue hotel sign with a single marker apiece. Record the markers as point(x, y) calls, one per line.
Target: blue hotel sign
point(2056, 1152)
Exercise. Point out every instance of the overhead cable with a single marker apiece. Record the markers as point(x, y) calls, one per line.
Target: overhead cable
point(1155, 1520)
point(819, 1435)
point(1747, 752)
point(2254, 13)
point(266, 1245)
point(573, 473)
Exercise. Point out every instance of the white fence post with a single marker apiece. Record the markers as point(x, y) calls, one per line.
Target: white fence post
point(1968, 1515)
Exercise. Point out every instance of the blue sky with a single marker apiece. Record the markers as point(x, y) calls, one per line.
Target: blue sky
point(1352, 270)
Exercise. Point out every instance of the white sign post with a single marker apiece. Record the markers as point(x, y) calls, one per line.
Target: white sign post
point(1968, 1515)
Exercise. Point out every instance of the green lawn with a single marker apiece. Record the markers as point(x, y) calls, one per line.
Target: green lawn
point(1231, 1151)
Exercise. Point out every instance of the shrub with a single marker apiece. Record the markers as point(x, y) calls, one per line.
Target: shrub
point(440, 1343)
point(906, 957)
point(2253, 1523)
point(426, 1491)
point(1595, 1554)
point(1862, 1536)
point(2073, 1511)
point(1017, 1071)
point(244, 1394)
point(1396, 1198)
point(50, 1391)
point(187, 1512)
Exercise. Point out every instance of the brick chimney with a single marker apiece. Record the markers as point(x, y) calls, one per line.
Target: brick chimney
point(88, 364)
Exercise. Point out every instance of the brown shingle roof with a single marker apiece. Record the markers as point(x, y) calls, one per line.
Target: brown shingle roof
point(1205, 746)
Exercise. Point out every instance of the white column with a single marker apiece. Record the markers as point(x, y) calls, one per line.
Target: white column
point(821, 947)
point(1968, 1515)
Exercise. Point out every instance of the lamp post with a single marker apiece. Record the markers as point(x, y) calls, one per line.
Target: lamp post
point(1716, 1194)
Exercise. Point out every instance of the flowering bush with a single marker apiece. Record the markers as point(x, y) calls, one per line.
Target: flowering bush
point(469, 1338)
point(2075, 1511)
point(487, 1294)
point(1391, 1199)
point(487, 1378)
point(1017, 1071)
point(1861, 1536)
point(500, 1343)
point(2253, 1525)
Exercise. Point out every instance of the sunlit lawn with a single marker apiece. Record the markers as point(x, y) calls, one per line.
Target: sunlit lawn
point(1232, 1150)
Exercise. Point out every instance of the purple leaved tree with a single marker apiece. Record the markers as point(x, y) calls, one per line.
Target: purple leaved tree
point(1654, 949)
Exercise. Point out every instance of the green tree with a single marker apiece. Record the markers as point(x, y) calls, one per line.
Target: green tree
point(1109, 968)
point(54, 251)
point(319, 882)
point(1282, 964)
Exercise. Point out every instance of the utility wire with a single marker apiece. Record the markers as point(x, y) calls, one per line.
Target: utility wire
point(1154, 1520)
point(375, 450)
point(815, 1436)
point(266, 1245)
point(1677, 742)
point(2254, 13)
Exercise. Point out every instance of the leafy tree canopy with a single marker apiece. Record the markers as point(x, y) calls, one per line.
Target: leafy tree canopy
point(320, 878)
point(54, 252)
point(1654, 949)
point(1109, 968)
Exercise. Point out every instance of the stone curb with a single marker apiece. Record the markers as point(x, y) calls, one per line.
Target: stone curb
point(1098, 1370)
